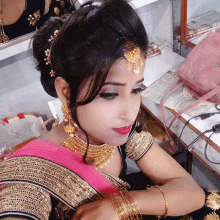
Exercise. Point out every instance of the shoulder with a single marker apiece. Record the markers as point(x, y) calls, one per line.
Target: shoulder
point(23, 195)
point(138, 144)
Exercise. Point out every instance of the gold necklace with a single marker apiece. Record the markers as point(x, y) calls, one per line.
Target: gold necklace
point(100, 155)
point(3, 37)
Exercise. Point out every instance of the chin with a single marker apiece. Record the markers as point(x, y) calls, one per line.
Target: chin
point(118, 141)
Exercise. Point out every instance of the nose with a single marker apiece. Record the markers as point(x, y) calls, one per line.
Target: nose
point(129, 108)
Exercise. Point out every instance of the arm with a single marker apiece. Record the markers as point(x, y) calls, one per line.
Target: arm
point(182, 192)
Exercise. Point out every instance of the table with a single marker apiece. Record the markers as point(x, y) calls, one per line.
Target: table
point(157, 67)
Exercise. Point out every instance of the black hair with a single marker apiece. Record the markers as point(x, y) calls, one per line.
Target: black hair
point(89, 41)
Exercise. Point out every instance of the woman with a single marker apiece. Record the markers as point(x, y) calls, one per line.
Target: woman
point(94, 63)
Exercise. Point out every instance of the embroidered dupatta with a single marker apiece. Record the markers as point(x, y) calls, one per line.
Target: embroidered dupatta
point(57, 170)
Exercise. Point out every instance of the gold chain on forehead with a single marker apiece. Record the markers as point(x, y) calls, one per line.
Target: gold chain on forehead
point(132, 54)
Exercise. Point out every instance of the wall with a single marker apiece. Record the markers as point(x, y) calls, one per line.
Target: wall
point(157, 19)
point(20, 88)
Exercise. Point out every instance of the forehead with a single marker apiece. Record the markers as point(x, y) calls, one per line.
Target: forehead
point(120, 73)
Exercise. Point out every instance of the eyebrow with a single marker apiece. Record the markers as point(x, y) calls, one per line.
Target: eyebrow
point(121, 84)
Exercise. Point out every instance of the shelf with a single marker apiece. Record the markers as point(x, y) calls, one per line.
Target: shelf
point(135, 3)
point(157, 66)
point(15, 47)
point(139, 3)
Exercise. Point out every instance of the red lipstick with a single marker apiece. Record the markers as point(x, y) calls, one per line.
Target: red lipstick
point(123, 130)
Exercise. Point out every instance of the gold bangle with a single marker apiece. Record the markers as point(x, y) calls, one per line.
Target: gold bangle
point(130, 213)
point(118, 205)
point(165, 199)
point(135, 211)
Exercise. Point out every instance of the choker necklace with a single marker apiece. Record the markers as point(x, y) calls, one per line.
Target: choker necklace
point(100, 155)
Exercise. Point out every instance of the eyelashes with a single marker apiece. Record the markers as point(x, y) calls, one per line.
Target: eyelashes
point(137, 90)
point(108, 95)
point(112, 95)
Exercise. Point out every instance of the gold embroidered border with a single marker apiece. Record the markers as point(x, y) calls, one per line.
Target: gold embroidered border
point(25, 199)
point(138, 145)
point(59, 181)
point(116, 182)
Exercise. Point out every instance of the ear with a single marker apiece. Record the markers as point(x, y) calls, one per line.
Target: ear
point(63, 90)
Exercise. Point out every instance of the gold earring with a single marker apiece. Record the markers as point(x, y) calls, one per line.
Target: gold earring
point(70, 128)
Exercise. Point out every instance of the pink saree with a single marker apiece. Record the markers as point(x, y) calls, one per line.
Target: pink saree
point(69, 159)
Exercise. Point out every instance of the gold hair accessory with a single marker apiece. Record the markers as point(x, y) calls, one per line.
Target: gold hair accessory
point(165, 199)
point(48, 52)
point(132, 54)
point(99, 155)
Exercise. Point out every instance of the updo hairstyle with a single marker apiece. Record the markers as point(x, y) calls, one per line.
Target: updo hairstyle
point(89, 41)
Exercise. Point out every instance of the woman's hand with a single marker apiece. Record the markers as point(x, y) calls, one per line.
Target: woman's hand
point(102, 209)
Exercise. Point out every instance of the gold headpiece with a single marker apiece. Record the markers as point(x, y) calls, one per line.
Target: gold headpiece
point(132, 54)
point(48, 52)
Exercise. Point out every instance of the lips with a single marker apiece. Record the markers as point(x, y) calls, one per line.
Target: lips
point(123, 130)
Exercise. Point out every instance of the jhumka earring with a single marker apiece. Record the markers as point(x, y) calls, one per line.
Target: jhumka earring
point(70, 128)
point(132, 54)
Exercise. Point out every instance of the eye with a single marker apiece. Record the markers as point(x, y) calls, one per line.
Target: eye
point(109, 95)
point(137, 90)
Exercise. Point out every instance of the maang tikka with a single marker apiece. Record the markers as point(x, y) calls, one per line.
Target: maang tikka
point(48, 52)
point(132, 54)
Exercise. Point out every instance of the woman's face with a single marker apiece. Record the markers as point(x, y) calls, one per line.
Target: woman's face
point(109, 117)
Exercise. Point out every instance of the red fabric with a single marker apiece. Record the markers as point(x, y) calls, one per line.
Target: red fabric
point(5, 120)
point(21, 116)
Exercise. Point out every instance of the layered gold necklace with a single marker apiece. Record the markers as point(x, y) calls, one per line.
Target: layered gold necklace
point(99, 155)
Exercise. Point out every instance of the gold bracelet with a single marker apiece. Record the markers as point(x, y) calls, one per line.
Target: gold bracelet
point(165, 199)
point(118, 205)
point(135, 211)
point(130, 214)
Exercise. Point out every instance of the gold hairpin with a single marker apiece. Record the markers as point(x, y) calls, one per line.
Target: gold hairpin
point(48, 52)
point(132, 54)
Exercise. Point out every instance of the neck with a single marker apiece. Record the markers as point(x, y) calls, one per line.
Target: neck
point(82, 136)
point(59, 135)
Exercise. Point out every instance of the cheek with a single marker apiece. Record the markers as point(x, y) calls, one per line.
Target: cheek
point(136, 102)
point(97, 113)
